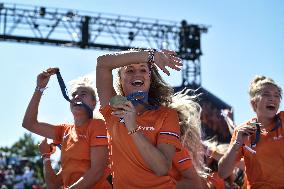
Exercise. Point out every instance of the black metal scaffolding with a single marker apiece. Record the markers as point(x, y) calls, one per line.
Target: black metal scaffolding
point(72, 28)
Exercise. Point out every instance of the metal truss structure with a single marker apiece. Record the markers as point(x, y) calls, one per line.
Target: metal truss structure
point(72, 28)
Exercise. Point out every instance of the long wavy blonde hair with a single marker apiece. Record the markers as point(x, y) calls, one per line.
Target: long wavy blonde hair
point(190, 124)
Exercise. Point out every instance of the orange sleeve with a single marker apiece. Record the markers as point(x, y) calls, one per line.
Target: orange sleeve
point(59, 131)
point(106, 111)
point(98, 133)
point(182, 160)
point(240, 152)
point(170, 130)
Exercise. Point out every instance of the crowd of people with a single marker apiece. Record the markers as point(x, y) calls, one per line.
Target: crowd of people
point(145, 136)
point(17, 172)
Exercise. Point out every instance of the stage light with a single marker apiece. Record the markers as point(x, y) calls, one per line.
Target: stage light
point(70, 14)
point(189, 40)
point(131, 36)
point(42, 11)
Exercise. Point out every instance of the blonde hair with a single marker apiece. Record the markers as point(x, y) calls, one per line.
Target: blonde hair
point(190, 124)
point(257, 85)
point(86, 82)
point(83, 82)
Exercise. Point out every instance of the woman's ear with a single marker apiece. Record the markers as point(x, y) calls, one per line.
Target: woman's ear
point(253, 104)
point(94, 103)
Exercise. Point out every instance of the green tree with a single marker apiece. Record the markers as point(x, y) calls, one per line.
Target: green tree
point(26, 146)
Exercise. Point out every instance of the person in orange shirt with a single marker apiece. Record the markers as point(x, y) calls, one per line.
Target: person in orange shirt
point(144, 131)
point(259, 141)
point(84, 151)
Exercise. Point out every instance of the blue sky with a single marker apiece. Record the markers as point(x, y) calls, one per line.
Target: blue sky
point(246, 38)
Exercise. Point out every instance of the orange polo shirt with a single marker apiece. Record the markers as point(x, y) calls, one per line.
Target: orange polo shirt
point(265, 169)
point(181, 162)
point(128, 167)
point(75, 151)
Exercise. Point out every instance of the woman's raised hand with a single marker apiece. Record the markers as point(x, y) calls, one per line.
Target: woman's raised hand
point(43, 77)
point(167, 58)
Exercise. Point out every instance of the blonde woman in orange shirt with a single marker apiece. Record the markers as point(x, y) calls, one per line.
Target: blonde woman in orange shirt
point(84, 151)
point(259, 141)
point(144, 131)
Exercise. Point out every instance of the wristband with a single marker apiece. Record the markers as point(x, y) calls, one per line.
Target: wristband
point(45, 160)
point(151, 56)
point(40, 89)
point(237, 143)
point(45, 155)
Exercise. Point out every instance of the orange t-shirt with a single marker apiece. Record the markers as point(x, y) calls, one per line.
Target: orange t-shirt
point(265, 168)
point(128, 167)
point(181, 162)
point(75, 150)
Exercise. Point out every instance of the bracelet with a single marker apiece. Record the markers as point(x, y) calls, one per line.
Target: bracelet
point(45, 160)
point(151, 56)
point(45, 155)
point(237, 143)
point(40, 89)
point(134, 130)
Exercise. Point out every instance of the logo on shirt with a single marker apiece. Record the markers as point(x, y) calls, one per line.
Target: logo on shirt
point(82, 136)
point(278, 137)
point(146, 128)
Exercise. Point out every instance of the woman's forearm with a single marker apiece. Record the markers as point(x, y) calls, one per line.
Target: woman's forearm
point(51, 179)
point(158, 162)
point(228, 161)
point(89, 179)
point(30, 118)
point(124, 58)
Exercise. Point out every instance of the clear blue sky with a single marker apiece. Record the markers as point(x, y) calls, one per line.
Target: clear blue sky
point(246, 38)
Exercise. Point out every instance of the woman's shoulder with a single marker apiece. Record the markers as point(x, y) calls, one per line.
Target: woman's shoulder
point(97, 121)
point(281, 114)
point(66, 125)
point(166, 109)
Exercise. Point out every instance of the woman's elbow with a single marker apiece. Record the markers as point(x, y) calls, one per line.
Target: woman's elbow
point(25, 124)
point(28, 124)
point(100, 60)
